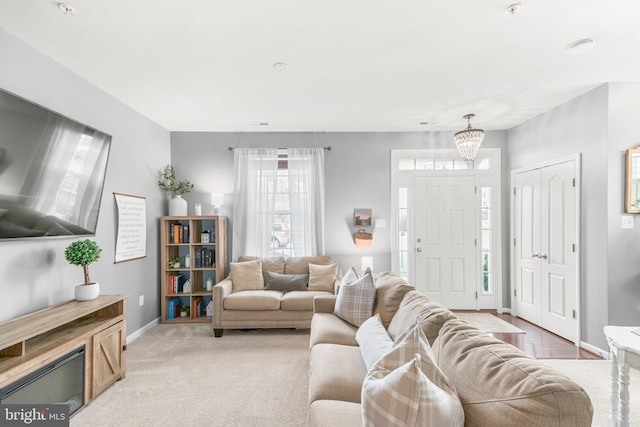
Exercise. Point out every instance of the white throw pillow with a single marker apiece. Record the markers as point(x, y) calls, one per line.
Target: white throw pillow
point(406, 388)
point(374, 341)
point(355, 300)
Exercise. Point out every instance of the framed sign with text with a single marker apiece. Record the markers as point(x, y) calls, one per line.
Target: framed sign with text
point(131, 241)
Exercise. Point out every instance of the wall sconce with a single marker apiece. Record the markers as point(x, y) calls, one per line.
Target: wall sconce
point(217, 200)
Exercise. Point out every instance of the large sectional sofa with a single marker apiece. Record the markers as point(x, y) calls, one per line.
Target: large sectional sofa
point(496, 383)
point(272, 292)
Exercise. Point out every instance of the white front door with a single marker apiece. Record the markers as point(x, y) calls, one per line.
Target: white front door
point(546, 277)
point(445, 240)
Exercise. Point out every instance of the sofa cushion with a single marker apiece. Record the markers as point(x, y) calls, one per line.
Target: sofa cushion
point(336, 373)
point(493, 377)
point(253, 300)
point(286, 282)
point(323, 413)
point(273, 264)
point(327, 328)
point(322, 277)
point(300, 265)
point(432, 315)
point(246, 275)
point(299, 300)
point(374, 341)
point(390, 289)
point(405, 387)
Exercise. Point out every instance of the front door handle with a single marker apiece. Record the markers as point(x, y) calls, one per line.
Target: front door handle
point(419, 250)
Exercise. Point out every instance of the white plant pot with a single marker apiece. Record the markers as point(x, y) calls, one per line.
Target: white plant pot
point(87, 292)
point(177, 206)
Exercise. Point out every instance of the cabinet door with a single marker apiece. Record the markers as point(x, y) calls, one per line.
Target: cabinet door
point(108, 360)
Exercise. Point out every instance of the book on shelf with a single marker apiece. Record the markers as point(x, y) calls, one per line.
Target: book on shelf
point(170, 288)
point(173, 308)
point(185, 233)
point(197, 307)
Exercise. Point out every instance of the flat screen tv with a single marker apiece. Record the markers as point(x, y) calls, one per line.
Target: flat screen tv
point(52, 172)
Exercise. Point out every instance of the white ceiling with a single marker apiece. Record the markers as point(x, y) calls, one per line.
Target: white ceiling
point(374, 65)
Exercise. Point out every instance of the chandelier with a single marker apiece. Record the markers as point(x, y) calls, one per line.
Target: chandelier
point(468, 141)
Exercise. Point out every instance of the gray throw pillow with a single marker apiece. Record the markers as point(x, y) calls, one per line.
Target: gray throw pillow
point(286, 282)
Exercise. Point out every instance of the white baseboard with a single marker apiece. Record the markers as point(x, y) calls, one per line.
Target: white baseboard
point(132, 337)
point(593, 349)
point(504, 310)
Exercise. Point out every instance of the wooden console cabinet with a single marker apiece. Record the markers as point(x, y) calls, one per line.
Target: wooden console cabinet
point(36, 339)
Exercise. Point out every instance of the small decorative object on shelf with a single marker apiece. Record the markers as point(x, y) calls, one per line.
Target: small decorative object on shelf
point(198, 209)
point(174, 262)
point(209, 284)
point(175, 189)
point(82, 253)
point(184, 311)
point(205, 237)
point(186, 287)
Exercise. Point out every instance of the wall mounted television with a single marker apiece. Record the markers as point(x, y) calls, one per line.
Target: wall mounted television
point(52, 172)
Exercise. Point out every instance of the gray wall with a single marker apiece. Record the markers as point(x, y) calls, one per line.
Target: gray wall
point(34, 273)
point(358, 175)
point(623, 274)
point(601, 125)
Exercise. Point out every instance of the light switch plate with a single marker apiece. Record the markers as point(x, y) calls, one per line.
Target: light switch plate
point(627, 222)
point(381, 223)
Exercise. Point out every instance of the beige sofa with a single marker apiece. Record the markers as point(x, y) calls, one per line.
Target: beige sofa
point(498, 385)
point(262, 308)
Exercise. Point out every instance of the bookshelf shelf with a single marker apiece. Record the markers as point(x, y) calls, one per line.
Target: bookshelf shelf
point(182, 236)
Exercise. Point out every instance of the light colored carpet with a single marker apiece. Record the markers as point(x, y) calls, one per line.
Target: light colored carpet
point(180, 375)
point(594, 376)
point(487, 322)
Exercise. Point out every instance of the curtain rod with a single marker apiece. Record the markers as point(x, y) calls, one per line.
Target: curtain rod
point(326, 148)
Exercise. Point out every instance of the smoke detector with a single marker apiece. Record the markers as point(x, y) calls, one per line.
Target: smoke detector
point(512, 9)
point(67, 9)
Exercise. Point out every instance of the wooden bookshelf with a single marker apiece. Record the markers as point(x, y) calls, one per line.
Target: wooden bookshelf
point(182, 236)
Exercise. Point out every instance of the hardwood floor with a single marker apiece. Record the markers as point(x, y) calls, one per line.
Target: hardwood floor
point(541, 343)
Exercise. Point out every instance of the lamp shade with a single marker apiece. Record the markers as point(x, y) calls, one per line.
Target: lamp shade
point(217, 199)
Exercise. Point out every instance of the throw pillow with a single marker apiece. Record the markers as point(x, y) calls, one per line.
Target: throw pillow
point(373, 340)
point(286, 282)
point(246, 276)
point(355, 300)
point(322, 277)
point(406, 387)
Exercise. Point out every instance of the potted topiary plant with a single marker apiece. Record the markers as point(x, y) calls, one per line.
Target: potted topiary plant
point(82, 253)
point(175, 189)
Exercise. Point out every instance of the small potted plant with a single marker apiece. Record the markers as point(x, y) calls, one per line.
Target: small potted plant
point(175, 189)
point(174, 262)
point(82, 253)
point(184, 311)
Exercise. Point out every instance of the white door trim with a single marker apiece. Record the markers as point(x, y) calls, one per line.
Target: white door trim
point(577, 161)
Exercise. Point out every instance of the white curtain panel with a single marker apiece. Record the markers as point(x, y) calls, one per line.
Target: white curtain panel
point(306, 196)
point(254, 200)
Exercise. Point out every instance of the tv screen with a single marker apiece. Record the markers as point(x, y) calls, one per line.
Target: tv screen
point(52, 172)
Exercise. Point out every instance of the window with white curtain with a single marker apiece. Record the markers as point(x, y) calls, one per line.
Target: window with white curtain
point(278, 202)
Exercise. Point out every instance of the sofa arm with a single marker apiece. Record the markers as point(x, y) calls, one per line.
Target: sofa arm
point(324, 303)
point(220, 291)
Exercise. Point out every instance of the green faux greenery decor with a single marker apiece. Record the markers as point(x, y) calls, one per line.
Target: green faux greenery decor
point(82, 253)
point(169, 184)
point(173, 261)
